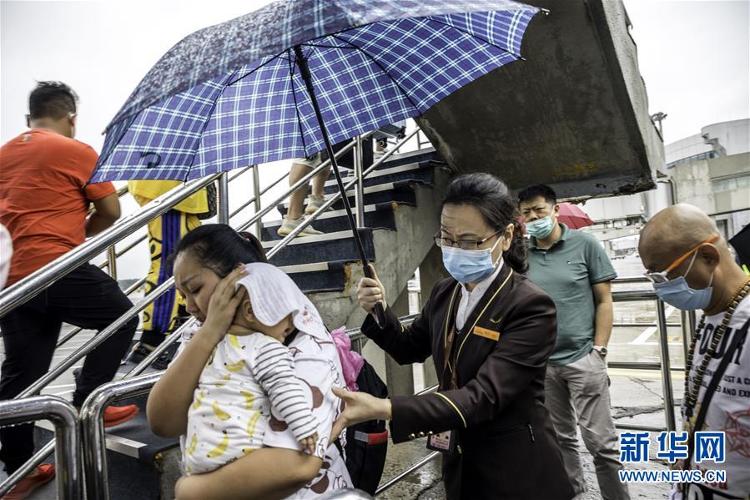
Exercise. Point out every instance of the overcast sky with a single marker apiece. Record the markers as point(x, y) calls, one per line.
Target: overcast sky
point(693, 55)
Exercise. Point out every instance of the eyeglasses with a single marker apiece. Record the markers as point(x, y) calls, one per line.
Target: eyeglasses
point(661, 276)
point(462, 244)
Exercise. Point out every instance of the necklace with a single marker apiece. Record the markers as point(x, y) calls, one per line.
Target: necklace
point(691, 393)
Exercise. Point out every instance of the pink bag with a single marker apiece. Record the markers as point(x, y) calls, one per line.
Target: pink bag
point(351, 362)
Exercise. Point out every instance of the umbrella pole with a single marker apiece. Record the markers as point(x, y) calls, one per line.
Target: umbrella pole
point(307, 78)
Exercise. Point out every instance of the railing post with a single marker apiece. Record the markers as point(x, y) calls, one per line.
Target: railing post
point(66, 445)
point(256, 200)
point(223, 202)
point(92, 429)
point(112, 262)
point(359, 189)
point(666, 377)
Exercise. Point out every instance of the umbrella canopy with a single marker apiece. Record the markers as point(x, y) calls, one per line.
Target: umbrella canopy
point(234, 94)
point(573, 217)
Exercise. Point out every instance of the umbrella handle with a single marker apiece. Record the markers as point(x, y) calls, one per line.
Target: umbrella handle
point(378, 311)
point(307, 78)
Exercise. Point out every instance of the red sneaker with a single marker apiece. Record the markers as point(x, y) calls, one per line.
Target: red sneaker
point(43, 474)
point(116, 415)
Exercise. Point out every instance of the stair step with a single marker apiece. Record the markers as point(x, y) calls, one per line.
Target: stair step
point(395, 160)
point(416, 156)
point(132, 454)
point(376, 216)
point(401, 192)
point(319, 276)
point(417, 172)
point(338, 246)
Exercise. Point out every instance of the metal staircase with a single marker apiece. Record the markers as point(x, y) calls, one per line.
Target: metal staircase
point(401, 204)
point(399, 213)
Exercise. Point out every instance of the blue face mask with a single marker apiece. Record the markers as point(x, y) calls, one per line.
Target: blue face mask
point(470, 266)
point(540, 228)
point(677, 292)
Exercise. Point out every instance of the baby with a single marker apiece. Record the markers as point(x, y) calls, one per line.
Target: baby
point(249, 382)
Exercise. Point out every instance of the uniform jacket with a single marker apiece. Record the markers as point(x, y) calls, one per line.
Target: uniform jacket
point(507, 446)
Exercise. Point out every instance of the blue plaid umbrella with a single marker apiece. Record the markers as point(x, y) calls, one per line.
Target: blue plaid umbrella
point(294, 77)
point(233, 94)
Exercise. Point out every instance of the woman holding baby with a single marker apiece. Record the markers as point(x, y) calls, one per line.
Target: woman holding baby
point(251, 391)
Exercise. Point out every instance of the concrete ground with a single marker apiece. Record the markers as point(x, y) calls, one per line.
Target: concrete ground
point(635, 400)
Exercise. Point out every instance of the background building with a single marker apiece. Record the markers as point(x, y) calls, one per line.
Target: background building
point(710, 169)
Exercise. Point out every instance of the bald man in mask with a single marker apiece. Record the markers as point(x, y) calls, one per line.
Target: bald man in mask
point(691, 268)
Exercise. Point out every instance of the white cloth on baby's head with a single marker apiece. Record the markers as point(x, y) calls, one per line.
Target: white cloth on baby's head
point(273, 296)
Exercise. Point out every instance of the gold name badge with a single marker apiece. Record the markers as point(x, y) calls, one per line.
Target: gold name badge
point(488, 334)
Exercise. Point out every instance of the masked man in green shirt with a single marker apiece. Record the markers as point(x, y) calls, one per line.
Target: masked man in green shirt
point(572, 267)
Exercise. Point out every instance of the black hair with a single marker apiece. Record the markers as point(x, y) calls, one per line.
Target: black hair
point(491, 197)
point(536, 191)
point(51, 100)
point(221, 248)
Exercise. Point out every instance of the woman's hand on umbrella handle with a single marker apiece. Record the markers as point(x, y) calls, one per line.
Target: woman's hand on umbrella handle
point(370, 291)
point(223, 304)
point(360, 407)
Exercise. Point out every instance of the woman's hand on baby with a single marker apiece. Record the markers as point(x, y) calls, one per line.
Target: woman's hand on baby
point(308, 444)
point(360, 407)
point(370, 292)
point(224, 302)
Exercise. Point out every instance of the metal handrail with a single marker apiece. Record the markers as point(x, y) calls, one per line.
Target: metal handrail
point(38, 281)
point(59, 369)
point(239, 172)
point(92, 428)
point(28, 288)
point(23, 291)
point(67, 439)
point(631, 279)
point(333, 199)
point(222, 209)
point(311, 218)
point(256, 197)
point(95, 342)
point(412, 468)
point(144, 237)
point(94, 444)
point(75, 331)
point(356, 335)
point(158, 350)
point(300, 183)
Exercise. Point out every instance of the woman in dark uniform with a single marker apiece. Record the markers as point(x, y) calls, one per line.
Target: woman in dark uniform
point(490, 332)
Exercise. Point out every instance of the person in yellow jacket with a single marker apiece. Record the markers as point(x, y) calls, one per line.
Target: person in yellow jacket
point(164, 234)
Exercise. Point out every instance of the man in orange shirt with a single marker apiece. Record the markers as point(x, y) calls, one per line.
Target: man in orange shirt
point(44, 203)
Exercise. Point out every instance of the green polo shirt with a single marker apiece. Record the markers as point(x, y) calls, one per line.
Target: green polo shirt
point(566, 271)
